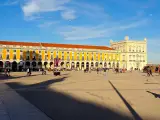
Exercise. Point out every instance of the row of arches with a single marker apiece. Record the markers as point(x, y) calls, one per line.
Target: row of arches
point(14, 65)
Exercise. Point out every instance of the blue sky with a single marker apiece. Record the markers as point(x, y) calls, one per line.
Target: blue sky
point(92, 22)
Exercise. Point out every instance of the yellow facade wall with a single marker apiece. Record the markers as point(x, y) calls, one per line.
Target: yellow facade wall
point(49, 55)
point(75, 55)
point(43, 55)
point(4, 54)
point(18, 54)
point(70, 55)
point(60, 54)
point(80, 56)
point(54, 54)
point(98, 56)
point(37, 54)
point(65, 55)
point(85, 56)
point(11, 54)
point(24, 54)
point(30, 54)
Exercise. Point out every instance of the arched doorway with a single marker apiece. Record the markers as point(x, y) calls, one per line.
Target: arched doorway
point(92, 64)
point(105, 64)
point(39, 64)
point(87, 65)
point(67, 65)
point(96, 64)
point(109, 65)
point(45, 64)
point(77, 65)
point(62, 64)
point(72, 65)
point(51, 63)
point(7, 64)
point(21, 65)
point(34, 64)
point(1, 64)
point(82, 65)
point(27, 64)
point(101, 64)
point(14, 66)
point(113, 65)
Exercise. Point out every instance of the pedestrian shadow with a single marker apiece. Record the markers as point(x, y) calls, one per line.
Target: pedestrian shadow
point(62, 106)
point(154, 94)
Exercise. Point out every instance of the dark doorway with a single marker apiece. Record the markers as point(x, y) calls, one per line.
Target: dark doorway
point(1, 64)
point(82, 65)
point(73, 65)
point(62, 63)
point(67, 64)
point(21, 65)
point(77, 65)
point(87, 65)
point(39, 64)
point(105, 64)
point(34, 64)
point(51, 63)
point(101, 64)
point(117, 65)
point(7, 64)
point(45, 64)
point(96, 64)
point(14, 66)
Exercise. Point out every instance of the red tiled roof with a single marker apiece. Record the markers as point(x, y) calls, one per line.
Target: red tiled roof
point(55, 45)
point(19, 43)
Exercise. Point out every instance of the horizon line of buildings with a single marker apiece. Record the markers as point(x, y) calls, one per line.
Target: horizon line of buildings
point(124, 54)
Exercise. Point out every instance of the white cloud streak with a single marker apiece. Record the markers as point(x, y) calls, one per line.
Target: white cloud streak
point(68, 15)
point(33, 7)
point(11, 3)
point(48, 24)
point(100, 31)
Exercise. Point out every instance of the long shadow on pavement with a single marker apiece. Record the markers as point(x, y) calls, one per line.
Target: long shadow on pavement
point(3, 77)
point(61, 106)
point(134, 113)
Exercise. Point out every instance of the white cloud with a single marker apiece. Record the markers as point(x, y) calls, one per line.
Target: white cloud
point(33, 7)
point(10, 3)
point(32, 18)
point(100, 31)
point(68, 15)
point(48, 24)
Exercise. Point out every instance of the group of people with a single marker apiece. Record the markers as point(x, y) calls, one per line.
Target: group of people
point(149, 70)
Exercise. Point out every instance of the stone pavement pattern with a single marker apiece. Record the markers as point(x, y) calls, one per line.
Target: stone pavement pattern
point(77, 94)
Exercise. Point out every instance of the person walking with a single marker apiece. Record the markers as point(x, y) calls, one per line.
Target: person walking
point(105, 71)
point(97, 70)
point(148, 71)
point(8, 72)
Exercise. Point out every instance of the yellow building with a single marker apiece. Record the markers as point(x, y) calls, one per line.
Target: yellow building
point(18, 55)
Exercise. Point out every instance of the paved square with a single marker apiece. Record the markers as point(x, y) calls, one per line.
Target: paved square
point(77, 95)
